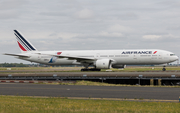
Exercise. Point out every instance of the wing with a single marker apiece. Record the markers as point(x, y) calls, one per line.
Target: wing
point(19, 55)
point(78, 58)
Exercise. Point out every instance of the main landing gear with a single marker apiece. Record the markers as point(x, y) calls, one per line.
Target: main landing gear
point(93, 69)
point(164, 69)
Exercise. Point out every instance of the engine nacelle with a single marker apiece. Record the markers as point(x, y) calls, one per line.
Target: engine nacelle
point(118, 66)
point(103, 64)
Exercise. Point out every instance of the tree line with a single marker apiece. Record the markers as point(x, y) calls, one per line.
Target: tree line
point(13, 65)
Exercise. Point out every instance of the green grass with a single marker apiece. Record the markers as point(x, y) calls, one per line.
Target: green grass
point(17, 104)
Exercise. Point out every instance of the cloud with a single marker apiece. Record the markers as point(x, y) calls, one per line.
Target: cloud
point(90, 24)
point(128, 16)
point(163, 37)
point(9, 9)
point(108, 34)
point(8, 14)
point(152, 37)
point(67, 36)
point(84, 14)
point(11, 4)
point(119, 28)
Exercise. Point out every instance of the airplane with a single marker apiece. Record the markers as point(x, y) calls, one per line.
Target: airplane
point(99, 59)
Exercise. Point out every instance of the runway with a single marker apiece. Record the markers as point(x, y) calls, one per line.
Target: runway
point(159, 93)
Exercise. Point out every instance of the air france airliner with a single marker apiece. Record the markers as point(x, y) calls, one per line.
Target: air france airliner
point(99, 59)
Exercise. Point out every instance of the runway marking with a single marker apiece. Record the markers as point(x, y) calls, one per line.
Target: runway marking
point(81, 89)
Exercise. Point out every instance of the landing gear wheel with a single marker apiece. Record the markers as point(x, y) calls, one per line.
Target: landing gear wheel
point(164, 69)
point(84, 69)
point(92, 69)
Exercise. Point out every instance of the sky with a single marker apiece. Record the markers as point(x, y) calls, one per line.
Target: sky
point(90, 25)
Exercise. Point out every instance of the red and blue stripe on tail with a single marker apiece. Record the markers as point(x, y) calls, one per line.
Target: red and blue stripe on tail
point(23, 43)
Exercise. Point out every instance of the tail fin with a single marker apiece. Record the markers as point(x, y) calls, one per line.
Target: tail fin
point(23, 43)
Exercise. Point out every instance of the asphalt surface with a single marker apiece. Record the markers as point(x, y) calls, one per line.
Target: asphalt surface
point(160, 93)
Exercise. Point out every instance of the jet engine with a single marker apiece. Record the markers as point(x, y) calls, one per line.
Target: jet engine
point(103, 64)
point(118, 66)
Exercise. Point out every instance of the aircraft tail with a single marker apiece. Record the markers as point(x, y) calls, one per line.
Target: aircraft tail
point(23, 43)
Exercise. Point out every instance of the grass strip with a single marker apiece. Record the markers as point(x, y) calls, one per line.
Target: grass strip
point(17, 104)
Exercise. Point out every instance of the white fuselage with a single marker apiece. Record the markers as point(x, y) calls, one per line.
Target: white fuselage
point(100, 59)
point(119, 57)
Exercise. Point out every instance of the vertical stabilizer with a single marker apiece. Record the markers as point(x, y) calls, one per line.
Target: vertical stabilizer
point(23, 43)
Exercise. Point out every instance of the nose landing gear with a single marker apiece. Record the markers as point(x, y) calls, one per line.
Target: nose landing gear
point(164, 69)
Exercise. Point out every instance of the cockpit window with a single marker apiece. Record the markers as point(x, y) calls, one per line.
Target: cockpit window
point(172, 55)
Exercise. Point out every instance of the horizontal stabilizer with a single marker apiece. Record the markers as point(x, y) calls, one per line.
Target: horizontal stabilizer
point(19, 55)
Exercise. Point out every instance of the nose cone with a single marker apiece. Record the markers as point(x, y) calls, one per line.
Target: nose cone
point(174, 58)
